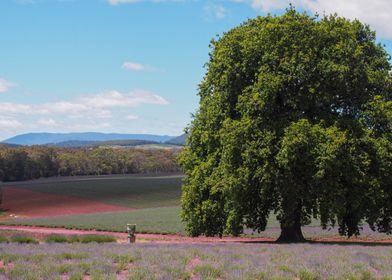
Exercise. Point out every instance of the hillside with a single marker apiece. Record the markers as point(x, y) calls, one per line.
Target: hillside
point(179, 140)
point(8, 145)
point(52, 138)
point(80, 144)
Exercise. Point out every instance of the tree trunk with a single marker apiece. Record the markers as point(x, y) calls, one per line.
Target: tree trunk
point(291, 234)
point(291, 225)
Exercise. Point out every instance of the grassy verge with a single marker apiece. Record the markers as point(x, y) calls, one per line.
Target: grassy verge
point(23, 239)
point(55, 238)
point(151, 220)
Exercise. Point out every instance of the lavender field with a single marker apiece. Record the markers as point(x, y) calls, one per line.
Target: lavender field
point(155, 261)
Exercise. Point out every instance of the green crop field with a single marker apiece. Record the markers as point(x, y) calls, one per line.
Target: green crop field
point(155, 200)
point(149, 220)
point(129, 191)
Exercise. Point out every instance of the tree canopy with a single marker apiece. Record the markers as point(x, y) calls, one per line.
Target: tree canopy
point(295, 119)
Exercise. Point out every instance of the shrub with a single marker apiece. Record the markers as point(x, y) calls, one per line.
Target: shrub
point(73, 239)
point(8, 258)
point(77, 276)
point(208, 271)
point(3, 239)
point(71, 256)
point(54, 238)
point(96, 238)
point(304, 274)
point(23, 239)
point(63, 268)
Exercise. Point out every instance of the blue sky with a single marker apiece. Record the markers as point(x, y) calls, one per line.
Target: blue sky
point(129, 66)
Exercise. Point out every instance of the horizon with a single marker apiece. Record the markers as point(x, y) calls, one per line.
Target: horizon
point(4, 141)
point(10, 140)
point(125, 66)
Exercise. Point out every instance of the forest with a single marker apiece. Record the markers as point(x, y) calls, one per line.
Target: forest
point(25, 163)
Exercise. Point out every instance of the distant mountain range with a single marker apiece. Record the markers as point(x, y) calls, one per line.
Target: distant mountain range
point(54, 138)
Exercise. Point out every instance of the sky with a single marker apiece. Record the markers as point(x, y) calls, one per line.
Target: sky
point(126, 66)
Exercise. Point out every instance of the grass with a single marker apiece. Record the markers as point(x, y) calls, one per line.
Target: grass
point(128, 191)
point(80, 239)
point(3, 239)
point(157, 261)
point(23, 239)
point(151, 220)
point(56, 238)
point(96, 238)
point(29, 238)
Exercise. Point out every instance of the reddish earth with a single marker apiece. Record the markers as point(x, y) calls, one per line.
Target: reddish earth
point(7, 266)
point(180, 239)
point(26, 203)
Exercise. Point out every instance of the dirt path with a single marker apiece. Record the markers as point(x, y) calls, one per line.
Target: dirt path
point(180, 239)
point(140, 237)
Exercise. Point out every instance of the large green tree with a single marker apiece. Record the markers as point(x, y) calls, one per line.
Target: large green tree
point(295, 119)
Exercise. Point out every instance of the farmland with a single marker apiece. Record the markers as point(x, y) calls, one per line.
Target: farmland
point(184, 261)
point(151, 202)
point(129, 191)
point(151, 220)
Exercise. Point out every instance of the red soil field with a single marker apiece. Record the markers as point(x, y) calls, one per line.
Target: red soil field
point(26, 203)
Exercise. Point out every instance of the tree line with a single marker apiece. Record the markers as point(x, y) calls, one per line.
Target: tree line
point(24, 163)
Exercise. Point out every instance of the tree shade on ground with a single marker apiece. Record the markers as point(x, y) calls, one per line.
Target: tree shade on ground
point(295, 118)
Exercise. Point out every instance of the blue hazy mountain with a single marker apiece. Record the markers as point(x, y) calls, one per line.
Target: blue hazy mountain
point(46, 138)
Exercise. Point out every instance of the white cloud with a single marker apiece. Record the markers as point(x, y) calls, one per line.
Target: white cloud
point(117, 99)
point(215, 11)
point(14, 108)
point(9, 124)
point(47, 122)
point(117, 2)
point(97, 106)
point(5, 85)
point(103, 114)
point(376, 13)
point(87, 126)
point(132, 117)
point(134, 66)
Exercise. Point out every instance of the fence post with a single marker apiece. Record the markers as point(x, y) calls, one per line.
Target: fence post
point(131, 230)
